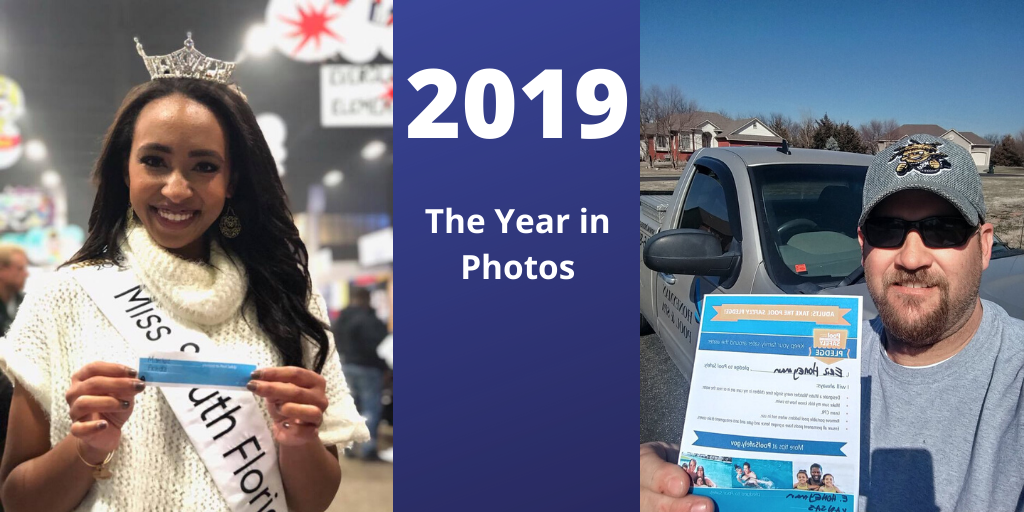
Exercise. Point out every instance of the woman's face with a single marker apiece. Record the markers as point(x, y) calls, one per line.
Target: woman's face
point(178, 173)
point(801, 477)
point(828, 480)
point(700, 471)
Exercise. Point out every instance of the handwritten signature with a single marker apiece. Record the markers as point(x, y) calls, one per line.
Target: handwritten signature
point(811, 370)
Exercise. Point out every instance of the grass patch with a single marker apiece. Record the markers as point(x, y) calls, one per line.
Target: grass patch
point(1004, 200)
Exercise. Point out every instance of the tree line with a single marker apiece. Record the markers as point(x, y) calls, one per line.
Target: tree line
point(1008, 150)
point(667, 110)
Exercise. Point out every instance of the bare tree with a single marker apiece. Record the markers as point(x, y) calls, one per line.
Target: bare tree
point(680, 113)
point(994, 138)
point(804, 136)
point(782, 125)
point(648, 117)
point(876, 130)
point(659, 112)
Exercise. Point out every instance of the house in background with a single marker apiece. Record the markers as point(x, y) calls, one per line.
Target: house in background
point(690, 132)
point(979, 148)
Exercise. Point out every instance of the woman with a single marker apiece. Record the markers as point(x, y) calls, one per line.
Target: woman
point(703, 481)
point(183, 165)
point(828, 484)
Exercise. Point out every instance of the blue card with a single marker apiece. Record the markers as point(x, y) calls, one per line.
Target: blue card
point(177, 371)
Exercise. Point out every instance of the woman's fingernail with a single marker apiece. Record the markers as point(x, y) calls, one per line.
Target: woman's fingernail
point(256, 374)
point(125, 404)
point(140, 385)
point(102, 425)
point(132, 372)
point(251, 386)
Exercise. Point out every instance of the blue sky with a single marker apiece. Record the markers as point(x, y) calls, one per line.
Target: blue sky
point(957, 64)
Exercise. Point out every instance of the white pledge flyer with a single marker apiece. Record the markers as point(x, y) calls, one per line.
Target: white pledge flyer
point(773, 419)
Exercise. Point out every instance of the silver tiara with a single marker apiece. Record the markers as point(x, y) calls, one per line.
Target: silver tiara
point(186, 63)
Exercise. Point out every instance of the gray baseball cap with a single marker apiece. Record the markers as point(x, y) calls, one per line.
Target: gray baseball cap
point(924, 162)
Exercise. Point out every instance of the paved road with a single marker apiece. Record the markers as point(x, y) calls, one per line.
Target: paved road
point(663, 393)
point(659, 178)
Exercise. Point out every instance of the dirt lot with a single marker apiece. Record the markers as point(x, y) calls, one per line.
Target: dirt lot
point(1004, 200)
point(1004, 197)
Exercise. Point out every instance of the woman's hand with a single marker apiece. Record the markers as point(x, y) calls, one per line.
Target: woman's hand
point(296, 398)
point(101, 398)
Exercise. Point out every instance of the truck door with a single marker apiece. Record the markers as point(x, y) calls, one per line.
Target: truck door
point(680, 297)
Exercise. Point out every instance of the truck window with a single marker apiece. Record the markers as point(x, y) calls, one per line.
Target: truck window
point(705, 207)
point(808, 221)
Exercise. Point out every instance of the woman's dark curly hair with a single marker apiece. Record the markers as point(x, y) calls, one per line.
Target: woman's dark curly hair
point(275, 259)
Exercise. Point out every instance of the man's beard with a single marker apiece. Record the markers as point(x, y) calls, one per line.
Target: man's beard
point(917, 328)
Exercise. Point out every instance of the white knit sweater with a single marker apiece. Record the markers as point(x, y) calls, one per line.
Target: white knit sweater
point(59, 329)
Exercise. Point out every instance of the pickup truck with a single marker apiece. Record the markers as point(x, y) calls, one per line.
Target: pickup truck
point(765, 220)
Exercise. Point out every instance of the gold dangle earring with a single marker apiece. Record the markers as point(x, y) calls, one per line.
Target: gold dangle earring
point(230, 226)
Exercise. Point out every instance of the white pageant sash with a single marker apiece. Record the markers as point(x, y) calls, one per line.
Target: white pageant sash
point(227, 428)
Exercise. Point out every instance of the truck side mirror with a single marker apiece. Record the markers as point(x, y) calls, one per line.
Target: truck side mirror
point(689, 251)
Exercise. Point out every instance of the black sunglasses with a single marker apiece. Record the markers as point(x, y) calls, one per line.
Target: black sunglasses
point(936, 232)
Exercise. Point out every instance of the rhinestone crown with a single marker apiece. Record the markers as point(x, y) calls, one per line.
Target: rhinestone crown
point(186, 63)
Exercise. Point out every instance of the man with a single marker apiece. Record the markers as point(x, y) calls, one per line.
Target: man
point(357, 332)
point(942, 370)
point(13, 273)
point(691, 469)
point(815, 481)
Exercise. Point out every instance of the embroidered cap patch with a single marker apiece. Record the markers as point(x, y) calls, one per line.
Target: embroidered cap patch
point(922, 157)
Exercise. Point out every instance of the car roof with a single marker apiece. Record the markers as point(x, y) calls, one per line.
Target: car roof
point(753, 156)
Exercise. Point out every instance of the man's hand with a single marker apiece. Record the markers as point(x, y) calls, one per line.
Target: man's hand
point(664, 486)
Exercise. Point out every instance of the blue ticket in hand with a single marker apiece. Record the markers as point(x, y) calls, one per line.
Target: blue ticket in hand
point(179, 369)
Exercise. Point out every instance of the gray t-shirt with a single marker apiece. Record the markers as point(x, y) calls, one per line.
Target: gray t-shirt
point(949, 437)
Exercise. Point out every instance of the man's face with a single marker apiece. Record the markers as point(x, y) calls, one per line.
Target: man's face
point(14, 275)
point(816, 474)
point(924, 294)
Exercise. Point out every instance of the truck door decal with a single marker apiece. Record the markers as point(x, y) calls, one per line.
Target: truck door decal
point(676, 312)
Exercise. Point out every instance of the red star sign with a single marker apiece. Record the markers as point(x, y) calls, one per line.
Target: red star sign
point(312, 24)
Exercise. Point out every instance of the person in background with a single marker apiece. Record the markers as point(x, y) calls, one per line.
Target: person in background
point(815, 481)
point(13, 273)
point(358, 332)
point(801, 481)
point(828, 484)
point(691, 469)
point(702, 480)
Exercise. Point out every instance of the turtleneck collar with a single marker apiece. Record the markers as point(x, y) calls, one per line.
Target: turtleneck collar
point(204, 293)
